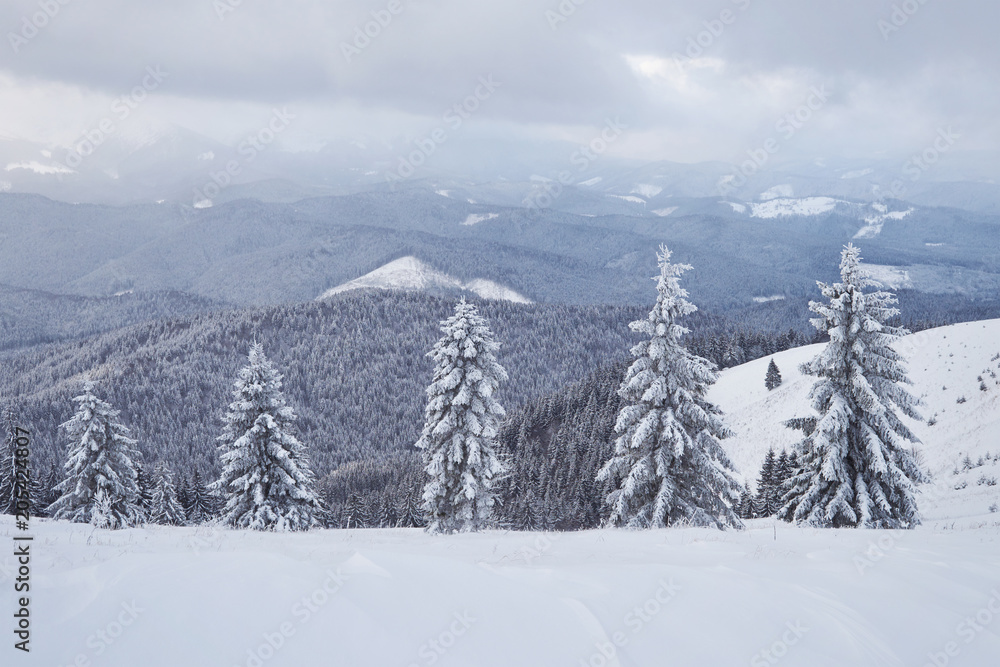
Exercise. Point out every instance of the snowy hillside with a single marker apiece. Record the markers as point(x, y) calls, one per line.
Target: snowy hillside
point(208, 596)
point(409, 273)
point(955, 371)
point(163, 597)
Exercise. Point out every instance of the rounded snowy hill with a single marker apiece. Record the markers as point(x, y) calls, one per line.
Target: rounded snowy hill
point(955, 372)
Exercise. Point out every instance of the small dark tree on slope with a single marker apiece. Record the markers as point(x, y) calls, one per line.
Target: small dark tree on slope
point(854, 467)
point(461, 422)
point(773, 379)
point(768, 486)
point(165, 508)
point(100, 485)
point(201, 504)
point(266, 479)
point(668, 465)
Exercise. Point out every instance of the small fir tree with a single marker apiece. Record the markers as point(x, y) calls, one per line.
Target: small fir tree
point(201, 502)
point(266, 480)
point(165, 508)
point(773, 378)
point(461, 423)
point(100, 485)
point(768, 485)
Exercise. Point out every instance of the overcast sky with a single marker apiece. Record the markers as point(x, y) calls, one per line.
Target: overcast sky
point(561, 73)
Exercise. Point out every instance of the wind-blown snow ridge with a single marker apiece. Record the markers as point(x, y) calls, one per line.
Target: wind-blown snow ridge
point(476, 218)
point(782, 207)
point(409, 273)
point(636, 200)
point(873, 226)
point(39, 168)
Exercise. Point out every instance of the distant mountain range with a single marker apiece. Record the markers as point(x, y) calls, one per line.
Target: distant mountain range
point(173, 164)
point(253, 252)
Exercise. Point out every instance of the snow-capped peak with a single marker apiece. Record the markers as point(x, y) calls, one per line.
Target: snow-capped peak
point(409, 273)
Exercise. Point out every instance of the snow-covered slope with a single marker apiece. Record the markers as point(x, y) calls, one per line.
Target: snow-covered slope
point(955, 371)
point(163, 597)
point(409, 273)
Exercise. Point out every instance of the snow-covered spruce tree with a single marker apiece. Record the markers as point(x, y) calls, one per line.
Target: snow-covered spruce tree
point(266, 479)
point(768, 486)
point(201, 502)
point(668, 464)
point(146, 484)
point(99, 467)
point(461, 422)
point(854, 468)
point(165, 508)
point(773, 378)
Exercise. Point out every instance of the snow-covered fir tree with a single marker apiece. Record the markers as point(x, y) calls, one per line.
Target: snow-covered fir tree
point(103, 514)
point(100, 485)
point(165, 508)
point(668, 465)
point(773, 378)
point(201, 505)
point(746, 506)
point(266, 479)
point(355, 515)
point(854, 466)
point(461, 422)
point(768, 487)
point(146, 485)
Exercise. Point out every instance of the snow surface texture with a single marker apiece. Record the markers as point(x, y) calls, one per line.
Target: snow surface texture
point(409, 273)
point(360, 598)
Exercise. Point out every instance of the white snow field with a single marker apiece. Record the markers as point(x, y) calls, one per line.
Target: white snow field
point(772, 594)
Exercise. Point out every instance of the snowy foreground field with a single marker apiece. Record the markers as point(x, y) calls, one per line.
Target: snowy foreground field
point(186, 596)
point(772, 594)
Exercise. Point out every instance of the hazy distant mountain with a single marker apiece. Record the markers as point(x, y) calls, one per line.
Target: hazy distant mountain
point(252, 252)
point(176, 165)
